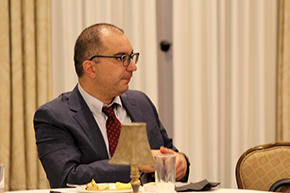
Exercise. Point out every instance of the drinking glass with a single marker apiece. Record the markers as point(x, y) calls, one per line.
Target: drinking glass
point(165, 173)
point(2, 177)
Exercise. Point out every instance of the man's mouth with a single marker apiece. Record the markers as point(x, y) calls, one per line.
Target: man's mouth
point(128, 79)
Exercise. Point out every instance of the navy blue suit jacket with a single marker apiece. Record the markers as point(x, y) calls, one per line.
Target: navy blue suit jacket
point(71, 147)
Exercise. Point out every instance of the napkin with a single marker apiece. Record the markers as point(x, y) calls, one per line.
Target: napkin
point(203, 185)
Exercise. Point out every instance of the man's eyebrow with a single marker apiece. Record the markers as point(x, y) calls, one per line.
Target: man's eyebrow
point(122, 53)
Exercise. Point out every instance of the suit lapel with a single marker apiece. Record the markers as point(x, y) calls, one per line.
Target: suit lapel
point(132, 108)
point(87, 122)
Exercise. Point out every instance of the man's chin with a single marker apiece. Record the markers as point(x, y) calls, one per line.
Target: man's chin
point(124, 89)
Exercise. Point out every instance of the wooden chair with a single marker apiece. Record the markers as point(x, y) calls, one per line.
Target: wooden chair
point(265, 167)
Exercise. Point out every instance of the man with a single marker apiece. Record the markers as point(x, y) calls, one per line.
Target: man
point(70, 131)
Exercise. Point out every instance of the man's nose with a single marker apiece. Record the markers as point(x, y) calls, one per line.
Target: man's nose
point(132, 66)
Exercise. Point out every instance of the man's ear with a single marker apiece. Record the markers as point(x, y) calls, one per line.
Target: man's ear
point(89, 69)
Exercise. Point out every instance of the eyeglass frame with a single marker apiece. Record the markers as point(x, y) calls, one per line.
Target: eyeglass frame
point(137, 54)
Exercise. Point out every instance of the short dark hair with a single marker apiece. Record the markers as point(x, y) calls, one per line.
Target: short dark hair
point(89, 43)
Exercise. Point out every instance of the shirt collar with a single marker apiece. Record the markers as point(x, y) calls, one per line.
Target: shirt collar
point(94, 104)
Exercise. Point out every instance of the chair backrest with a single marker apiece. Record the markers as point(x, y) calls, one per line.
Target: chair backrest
point(262, 166)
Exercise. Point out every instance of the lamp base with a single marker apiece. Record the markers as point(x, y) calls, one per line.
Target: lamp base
point(135, 182)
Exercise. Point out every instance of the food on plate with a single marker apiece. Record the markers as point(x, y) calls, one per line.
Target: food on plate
point(123, 186)
point(119, 186)
point(104, 186)
point(94, 186)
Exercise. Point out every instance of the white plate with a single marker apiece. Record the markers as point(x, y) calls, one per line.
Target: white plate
point(113, 189)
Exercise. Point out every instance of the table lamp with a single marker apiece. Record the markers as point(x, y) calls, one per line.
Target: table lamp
point(133, 149)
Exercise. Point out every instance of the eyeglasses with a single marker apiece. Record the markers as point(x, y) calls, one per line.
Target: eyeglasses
point(126, 59)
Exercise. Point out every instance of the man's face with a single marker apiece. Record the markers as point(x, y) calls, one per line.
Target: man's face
point(112, 78)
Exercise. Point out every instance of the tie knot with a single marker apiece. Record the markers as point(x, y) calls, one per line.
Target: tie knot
point(109, 111)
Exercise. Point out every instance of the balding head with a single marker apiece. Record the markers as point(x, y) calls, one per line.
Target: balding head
point(90, 43)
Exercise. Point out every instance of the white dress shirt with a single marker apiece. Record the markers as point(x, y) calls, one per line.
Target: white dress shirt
point(96, 106)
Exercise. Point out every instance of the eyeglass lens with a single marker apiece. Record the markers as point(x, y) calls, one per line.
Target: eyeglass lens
point(127, 59)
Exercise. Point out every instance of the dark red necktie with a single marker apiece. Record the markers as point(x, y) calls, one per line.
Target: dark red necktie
point(113, 126)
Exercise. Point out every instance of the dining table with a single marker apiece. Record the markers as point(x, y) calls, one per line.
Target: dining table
point(73, 190)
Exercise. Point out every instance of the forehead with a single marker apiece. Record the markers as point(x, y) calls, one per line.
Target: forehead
point(116, 43)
